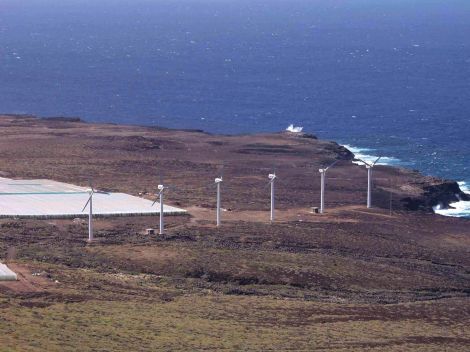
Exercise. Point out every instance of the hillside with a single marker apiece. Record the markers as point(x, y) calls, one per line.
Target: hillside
point(350, 279)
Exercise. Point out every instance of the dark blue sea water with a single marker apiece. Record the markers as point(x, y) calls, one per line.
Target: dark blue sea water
point(392, 76)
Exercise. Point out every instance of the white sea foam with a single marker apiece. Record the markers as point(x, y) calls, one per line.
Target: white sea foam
point(294, 129)
point(459, 209)
point(369, 155)
point(464, 187)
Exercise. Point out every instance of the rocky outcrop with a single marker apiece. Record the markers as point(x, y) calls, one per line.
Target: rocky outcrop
point(442, 194)
point(343, 152)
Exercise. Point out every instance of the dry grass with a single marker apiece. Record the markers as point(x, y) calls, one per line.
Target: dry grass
point(219, 322)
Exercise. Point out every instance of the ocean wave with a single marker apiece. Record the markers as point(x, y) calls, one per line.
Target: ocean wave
point(294, 129)
point(459, 210)
point(370, 155)
point(464, 186)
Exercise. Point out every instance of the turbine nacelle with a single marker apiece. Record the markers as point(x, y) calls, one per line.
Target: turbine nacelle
point(272, 176)
point(218, 180)
point(370, 165)
point(161, 187)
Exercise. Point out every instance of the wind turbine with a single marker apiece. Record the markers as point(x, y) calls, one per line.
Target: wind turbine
point(369, 168)
point(218, 181)
point(91, 191)
point(322, 187)
point(272, 177)
point(160, 188)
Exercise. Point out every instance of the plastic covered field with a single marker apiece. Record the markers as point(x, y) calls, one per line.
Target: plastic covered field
point(51, 199)
point(6, 274)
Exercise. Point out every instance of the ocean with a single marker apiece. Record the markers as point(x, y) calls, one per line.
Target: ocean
point(389, 77)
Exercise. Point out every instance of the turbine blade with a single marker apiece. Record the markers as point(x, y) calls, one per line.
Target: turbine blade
point(333, 164)
point(363, 161)
point(375, 162)
point(221, 170)
point(208, 186)
point(88, 202)
point(156, 200)
point(175, 189)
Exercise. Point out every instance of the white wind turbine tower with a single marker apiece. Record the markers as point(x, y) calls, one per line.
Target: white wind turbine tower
point(272, 178)
point(369, 167)
point(322, 187)
point(161, 189)
point(91, 191)
point(218, 181)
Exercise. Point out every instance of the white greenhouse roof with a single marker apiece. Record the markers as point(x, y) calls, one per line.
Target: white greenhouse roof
point(6, 274)
point(51, 199)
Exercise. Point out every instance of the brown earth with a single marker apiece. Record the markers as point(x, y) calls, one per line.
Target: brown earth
point(352, 279)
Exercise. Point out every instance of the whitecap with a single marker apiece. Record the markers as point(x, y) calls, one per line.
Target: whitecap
point(294, 129)
point(459, 209)
point(465, 187)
